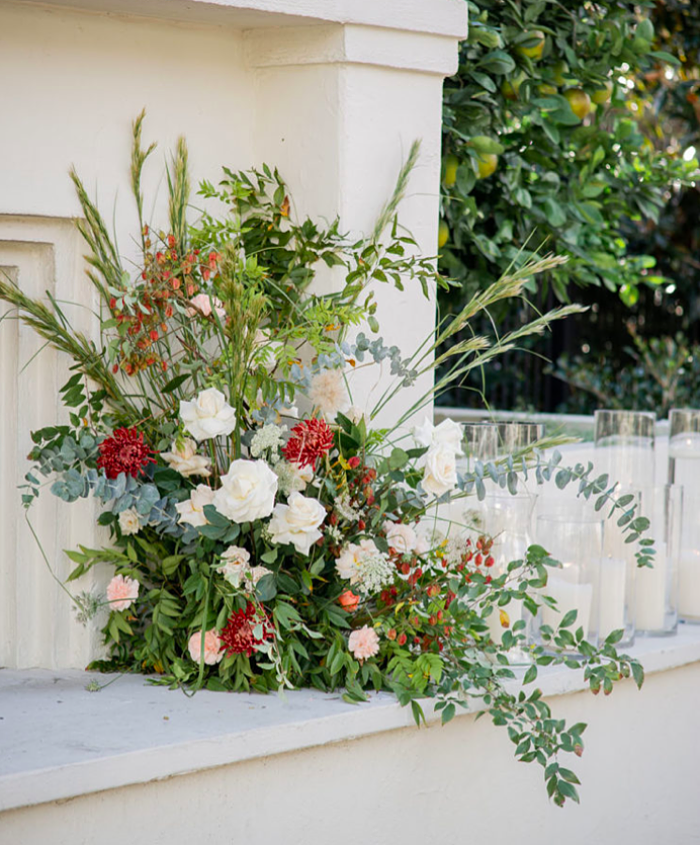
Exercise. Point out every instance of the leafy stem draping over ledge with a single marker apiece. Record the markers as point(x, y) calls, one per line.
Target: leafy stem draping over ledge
point(248, 556)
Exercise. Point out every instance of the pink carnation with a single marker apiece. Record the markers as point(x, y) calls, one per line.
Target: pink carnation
point(122, 592)
point(364, 643)
point(213, 647)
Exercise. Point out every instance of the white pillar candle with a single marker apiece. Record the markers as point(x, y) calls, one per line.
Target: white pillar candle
point(689, 585)
point(650, 593)
point(613, 574)
point(568, 596)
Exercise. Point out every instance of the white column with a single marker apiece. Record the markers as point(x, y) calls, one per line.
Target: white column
point(333, 92)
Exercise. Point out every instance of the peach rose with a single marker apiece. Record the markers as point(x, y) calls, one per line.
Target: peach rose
point(213, 647)
point(348, 601)
point(364, 643)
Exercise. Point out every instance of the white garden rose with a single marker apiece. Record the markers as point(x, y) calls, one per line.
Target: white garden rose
point(297, 522)
point(185, 460)
point(247, 491)
point(440, 471)
point(252, 575)
point(192, 510)
point(129, 522)
point(448, 433)
point(400, 537)
point(234, 564)
point(209, 415)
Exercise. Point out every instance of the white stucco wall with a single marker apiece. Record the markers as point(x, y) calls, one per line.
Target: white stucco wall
point(451, 785)
point(333, 93)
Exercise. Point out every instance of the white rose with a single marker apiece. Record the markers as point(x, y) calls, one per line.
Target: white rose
point(252, 575)
point(348, 564)
point(297, 523)
point(422, 545)
point(448, 433)
point(247, 491)
point(192, 510)
point(209, 415)
point(129, 522)
point(440, 472)
point(185, 460)
point(234, 564)
point(400, 537)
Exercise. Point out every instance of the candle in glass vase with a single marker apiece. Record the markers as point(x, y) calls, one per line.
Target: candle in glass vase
point(684, 462)
point(569, 595)
point(650, 604)
point(613, 576)
point(689, 585)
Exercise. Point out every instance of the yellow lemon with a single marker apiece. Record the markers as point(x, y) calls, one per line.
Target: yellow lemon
point(450, 166)
point(535, 51)
point(579, 101)
point(510, 88)
point(560, 71)
point(443, 234)
point(602, 95)
point(486, 164)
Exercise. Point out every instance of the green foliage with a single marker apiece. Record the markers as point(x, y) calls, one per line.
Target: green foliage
point(568, 180)
point(663, 373)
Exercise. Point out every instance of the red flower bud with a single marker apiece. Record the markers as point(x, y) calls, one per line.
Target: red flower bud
point(391, 633)
point(402, 639)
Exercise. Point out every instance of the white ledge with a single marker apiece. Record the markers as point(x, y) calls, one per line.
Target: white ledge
point(439, 17)
point(60, 741)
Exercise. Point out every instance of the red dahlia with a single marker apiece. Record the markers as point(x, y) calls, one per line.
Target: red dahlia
point(310, 440)
point(237, 636)
point(126, 452)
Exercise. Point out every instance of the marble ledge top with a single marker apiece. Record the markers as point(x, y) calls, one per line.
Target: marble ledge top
point(58, 741)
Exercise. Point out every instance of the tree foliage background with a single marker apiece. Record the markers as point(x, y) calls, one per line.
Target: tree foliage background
point(571, 124)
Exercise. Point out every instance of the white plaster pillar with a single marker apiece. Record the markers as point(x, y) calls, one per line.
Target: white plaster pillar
point(332, 92)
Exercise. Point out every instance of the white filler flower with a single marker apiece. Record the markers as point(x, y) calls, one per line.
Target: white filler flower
point(247, 491)
point(129, 522)
point(298, 522)
point(209, 415)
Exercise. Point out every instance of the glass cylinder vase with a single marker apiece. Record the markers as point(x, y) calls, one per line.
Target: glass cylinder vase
point(577, 543)
point(507, 523)
point(624, 444)
point(656, 593)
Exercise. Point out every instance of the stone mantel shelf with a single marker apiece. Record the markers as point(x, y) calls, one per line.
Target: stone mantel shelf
point(436, 17)
point(59, 741)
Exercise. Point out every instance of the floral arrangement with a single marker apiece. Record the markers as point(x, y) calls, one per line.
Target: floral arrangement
point(263, 534)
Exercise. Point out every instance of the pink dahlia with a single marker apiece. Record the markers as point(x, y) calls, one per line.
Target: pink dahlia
point(311, 439)
point(122, 592)
point(237, 636)
point(213, 647)
point(125, 451)
point(364, 643)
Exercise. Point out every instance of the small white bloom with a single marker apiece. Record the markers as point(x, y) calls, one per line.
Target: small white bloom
point(448, 433)
point(440, 472)
point(298, 522)
point(129, 522)
point(357, 415)
point(202, 304)
point(247, 491)
point(209, 415)
point(367, 568)
point(400, 537)
point(185, 460)
point(192, 510)
point(234, 564)
point(269, 437)
point(293, 477)
point(328, 392)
